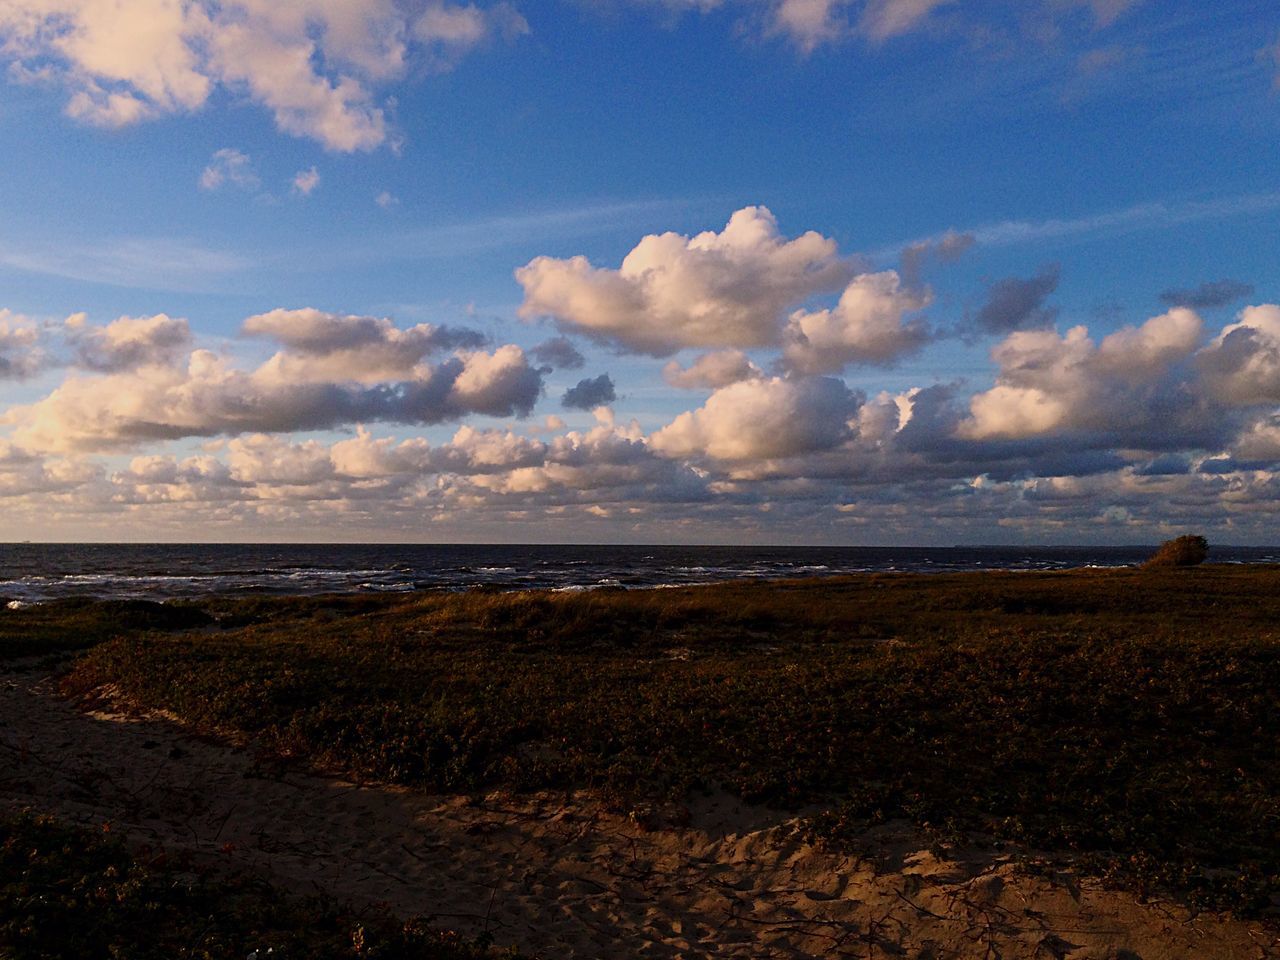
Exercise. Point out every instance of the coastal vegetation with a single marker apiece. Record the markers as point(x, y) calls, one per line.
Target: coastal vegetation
point(1189, 550)
point(1119, 722)
point(68, 892)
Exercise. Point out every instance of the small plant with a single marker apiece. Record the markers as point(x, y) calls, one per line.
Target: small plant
point(1185, 551)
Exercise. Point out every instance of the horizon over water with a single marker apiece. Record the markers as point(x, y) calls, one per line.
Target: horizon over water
point(37, 572)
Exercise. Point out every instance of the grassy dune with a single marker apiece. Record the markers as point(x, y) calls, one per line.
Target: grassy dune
point(1127, 720)
point(65, 892)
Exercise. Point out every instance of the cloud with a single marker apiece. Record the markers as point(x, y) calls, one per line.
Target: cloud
point(882, 19)
point(229, 166)
point(1241, 367)
point(1015, 304)
point(948, 247)
point(315, 64)
point(260, 458)
point(589, 393)
point(607, 465)
point(1260, 440)
point(868, 325)
point(20, 353)
point(1147, 427)
point(712, 371)
point(363, 457)
point(478, 473)
point(558, 353)
point(1107, 12)
point(1140, 217)
point(487, 452)
point(499, 384)
point(1147, 352)
point(164, 263)
point(385, 200)
point(762, 419)
point(1049, 383)
point(810, 23)
point(305, 181)
point(1101, 60)
point(26, 474)
point(1207, 296)
point(279, 71)
point(727, 289)
point(323, 346)
point(452, 30)
point(331, 371)
point(129, 342)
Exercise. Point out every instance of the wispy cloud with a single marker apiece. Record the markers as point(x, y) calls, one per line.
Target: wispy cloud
point(142, 263)
point(516, 230)
point(1143, 216)
point(1133, 219)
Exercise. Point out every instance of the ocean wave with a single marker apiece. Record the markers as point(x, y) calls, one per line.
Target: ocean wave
point(34, 573)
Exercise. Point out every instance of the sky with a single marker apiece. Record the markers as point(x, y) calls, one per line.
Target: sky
point(674, 271)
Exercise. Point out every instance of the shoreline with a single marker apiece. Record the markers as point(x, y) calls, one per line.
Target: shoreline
point(183, 572)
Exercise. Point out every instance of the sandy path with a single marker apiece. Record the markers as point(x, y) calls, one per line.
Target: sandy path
point(565, 880)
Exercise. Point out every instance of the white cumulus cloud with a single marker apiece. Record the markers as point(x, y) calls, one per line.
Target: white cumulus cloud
point(20, 352)
point(314, 64)
point(712, 370)
point(332, 371)
point(868, 325)
point(727, 289)
point(1047, 382)
point(763, 419)
point(129, 342)
point(1242, 365)
point(322, 346)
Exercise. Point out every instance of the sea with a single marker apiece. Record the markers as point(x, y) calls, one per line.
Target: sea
point(39, 572)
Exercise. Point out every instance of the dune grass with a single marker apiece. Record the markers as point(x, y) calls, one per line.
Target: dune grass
point(67, 625)
point(1127, 720)
point(66, 892)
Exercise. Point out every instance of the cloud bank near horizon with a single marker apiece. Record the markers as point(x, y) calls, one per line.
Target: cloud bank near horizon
point(1155, 425)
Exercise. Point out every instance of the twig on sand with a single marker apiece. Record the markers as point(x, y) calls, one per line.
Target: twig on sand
point(916, 907)
point(489, 909)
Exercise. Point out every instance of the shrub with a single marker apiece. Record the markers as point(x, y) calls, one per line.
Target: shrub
point(1185, 551)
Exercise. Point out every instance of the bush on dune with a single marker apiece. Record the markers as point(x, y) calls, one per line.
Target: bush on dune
point(1185, 551)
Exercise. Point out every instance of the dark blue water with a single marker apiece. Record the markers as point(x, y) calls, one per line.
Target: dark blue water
point(36, 572)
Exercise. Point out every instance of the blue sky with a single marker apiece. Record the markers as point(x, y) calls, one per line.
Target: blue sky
point(1057, 164)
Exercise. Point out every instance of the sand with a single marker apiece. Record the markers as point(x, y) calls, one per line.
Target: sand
point(558, 876)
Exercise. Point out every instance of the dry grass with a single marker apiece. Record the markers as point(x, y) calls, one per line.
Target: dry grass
point(1125, 719)
point(68, 893)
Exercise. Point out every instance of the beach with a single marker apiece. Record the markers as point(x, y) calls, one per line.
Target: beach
point(258, 738)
